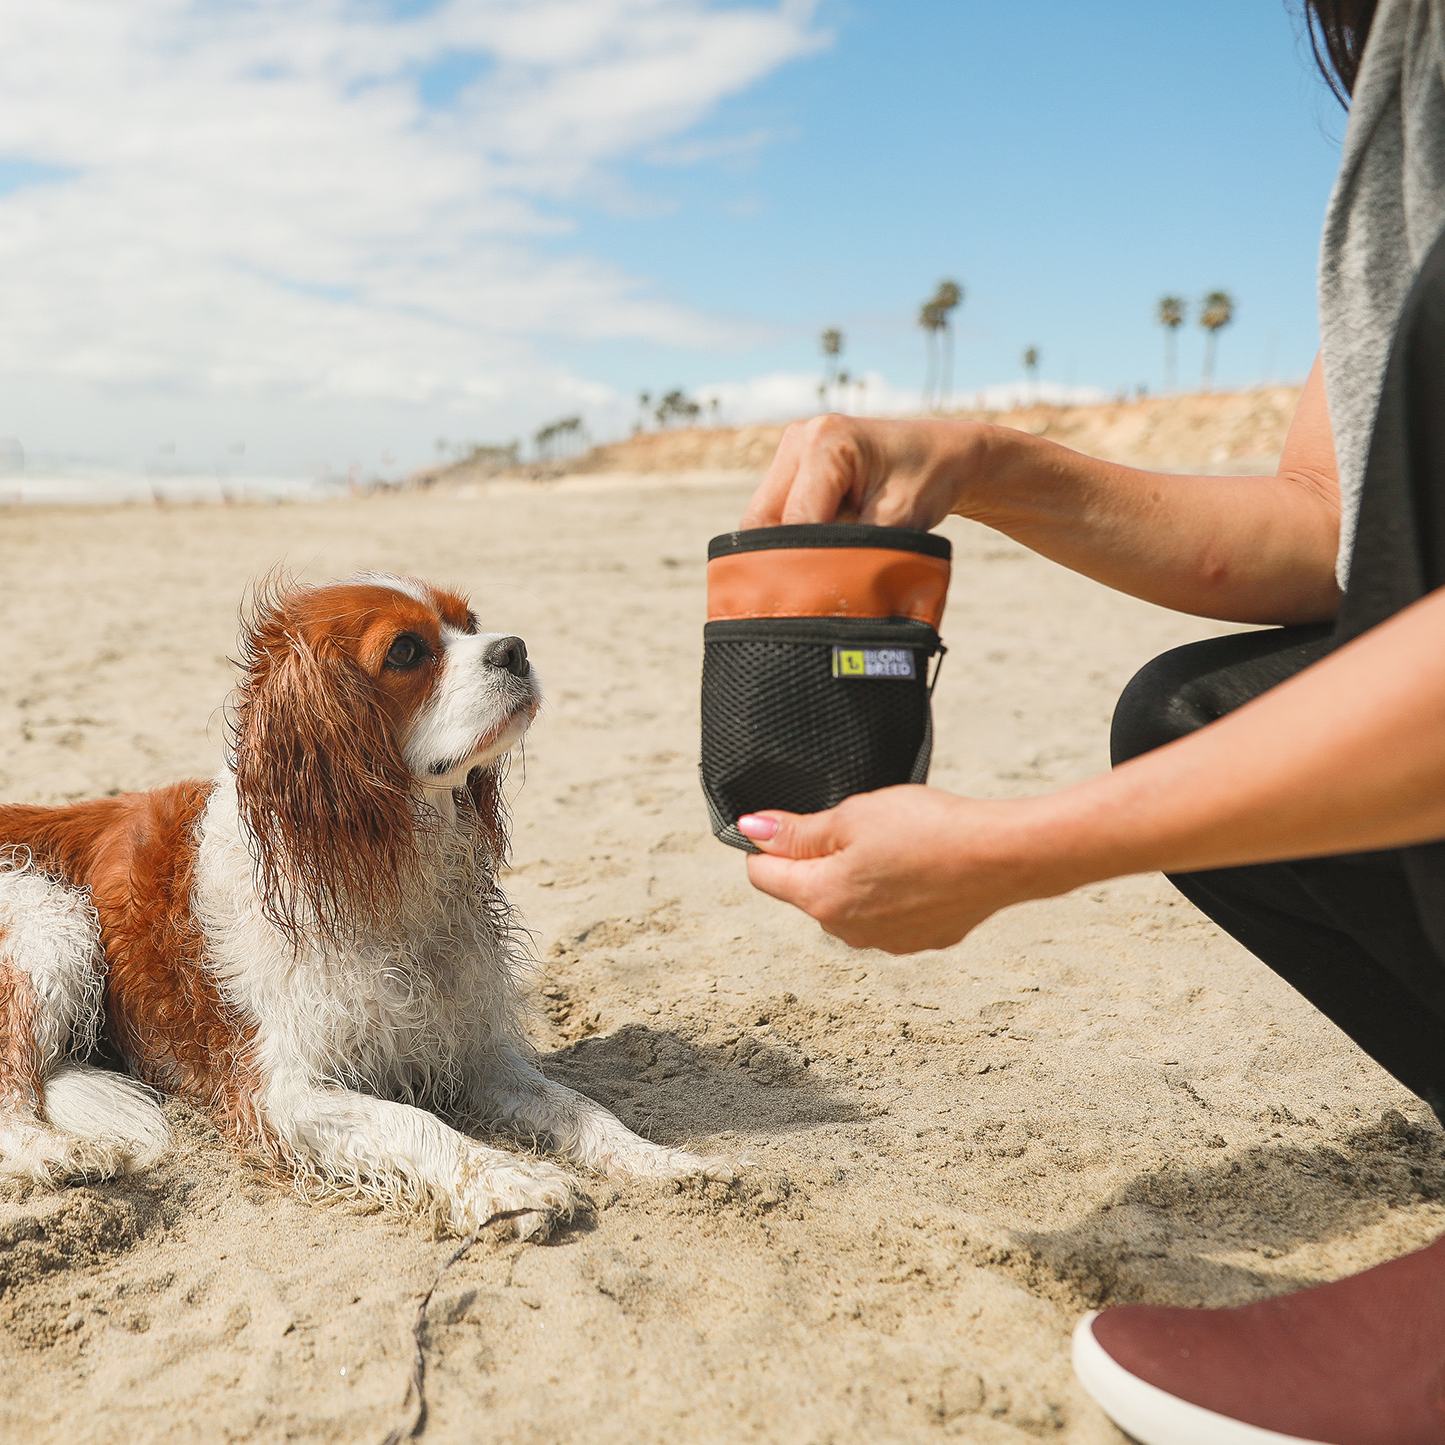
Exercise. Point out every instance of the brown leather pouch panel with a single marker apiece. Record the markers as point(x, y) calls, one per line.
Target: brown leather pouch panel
point(827, 582)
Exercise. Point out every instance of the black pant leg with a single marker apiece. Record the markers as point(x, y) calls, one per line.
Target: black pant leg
point(1343, 931)
point(1190, 687)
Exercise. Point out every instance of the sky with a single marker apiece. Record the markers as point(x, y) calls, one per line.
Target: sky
point(322, 235)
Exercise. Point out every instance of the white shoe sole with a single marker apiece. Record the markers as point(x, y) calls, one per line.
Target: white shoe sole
point(1151, 1415)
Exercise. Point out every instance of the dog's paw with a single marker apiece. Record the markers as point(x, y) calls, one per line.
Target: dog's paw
point(645, 1160)
point(497, 1183)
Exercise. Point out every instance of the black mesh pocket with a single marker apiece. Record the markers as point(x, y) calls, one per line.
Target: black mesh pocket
point(800, 713)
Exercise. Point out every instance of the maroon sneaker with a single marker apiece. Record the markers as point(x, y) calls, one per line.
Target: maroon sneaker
point(1360, 1361)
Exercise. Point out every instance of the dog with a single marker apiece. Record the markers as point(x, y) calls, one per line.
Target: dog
point(311, 948)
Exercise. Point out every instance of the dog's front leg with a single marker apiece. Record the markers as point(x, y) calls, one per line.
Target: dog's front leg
point(511, 1093)
point(399, 1153)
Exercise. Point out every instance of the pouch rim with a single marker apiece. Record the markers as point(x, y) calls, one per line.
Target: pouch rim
point(830, 534)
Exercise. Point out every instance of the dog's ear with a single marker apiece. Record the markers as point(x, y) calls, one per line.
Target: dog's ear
point(484, 808)
point(321, 785)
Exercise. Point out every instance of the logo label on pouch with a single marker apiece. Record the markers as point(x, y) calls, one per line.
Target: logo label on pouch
point(873, 662)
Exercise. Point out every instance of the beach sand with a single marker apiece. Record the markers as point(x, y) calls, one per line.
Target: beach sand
point(1096, 1098)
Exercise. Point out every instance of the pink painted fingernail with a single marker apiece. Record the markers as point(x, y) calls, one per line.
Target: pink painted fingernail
point(756, 828)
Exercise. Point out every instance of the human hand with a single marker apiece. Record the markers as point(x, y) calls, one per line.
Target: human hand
point(904, 868)
point(861, 469)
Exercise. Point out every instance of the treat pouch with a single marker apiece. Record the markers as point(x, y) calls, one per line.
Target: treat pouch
point(816, 660)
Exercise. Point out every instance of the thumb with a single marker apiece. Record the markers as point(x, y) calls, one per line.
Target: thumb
point(791, 835)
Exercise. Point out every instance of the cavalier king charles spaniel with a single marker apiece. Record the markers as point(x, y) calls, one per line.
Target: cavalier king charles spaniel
point(311, 948)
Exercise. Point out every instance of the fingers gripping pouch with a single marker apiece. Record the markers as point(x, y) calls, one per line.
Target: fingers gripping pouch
point(816, 659)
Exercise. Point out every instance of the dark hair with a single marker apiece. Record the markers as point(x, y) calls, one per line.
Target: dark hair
point(1338, 30)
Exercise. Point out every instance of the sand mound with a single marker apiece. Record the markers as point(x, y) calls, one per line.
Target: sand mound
point(1221, 432)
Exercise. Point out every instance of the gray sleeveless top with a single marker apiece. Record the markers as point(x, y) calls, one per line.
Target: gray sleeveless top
point(1386, 211)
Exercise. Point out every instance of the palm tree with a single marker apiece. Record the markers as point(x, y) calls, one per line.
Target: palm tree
point(644, 400)
point(1215, 313)
point(946, 300)
point(831, 343)
point(1031, 369)
point(1171, 317)
point(676, 404)
point(930, 319)
point(843, 382)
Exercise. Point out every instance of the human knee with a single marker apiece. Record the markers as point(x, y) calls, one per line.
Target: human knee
point(1192, 686)
point(1160, 703)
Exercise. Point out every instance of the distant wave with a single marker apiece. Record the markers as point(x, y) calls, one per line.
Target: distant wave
point(40, 484)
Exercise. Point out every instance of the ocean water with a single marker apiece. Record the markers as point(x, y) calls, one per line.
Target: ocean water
point(37, 483)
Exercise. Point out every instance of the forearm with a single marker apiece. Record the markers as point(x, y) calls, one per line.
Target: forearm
point(1349, 756)
point(1242, 549)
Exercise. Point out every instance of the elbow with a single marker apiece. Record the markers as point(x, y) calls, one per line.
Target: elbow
point(1322, 608)
point(1287, 597)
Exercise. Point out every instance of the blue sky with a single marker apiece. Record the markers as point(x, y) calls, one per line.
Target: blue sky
point(336, 231)
point(1067, 169)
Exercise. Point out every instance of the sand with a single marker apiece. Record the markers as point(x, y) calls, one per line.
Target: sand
point(1096, 1098)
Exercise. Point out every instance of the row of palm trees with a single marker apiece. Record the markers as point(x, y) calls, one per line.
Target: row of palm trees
point(838, 391)
point(675, 406)
point(935, 317)
point(564, 437)
point(1216, 311)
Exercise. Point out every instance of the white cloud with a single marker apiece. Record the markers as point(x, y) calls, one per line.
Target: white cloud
point(260, 208)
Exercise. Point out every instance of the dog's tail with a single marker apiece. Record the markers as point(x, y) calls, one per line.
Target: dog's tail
point(100, 1104)
point(96, 1124)
point(60, 1119)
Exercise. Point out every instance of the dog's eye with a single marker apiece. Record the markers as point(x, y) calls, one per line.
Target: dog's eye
point(406, 652)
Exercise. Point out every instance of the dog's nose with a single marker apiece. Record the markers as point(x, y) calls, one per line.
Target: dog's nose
point(510, 653)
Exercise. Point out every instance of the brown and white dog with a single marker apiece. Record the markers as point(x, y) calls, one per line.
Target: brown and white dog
point(311, 948)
